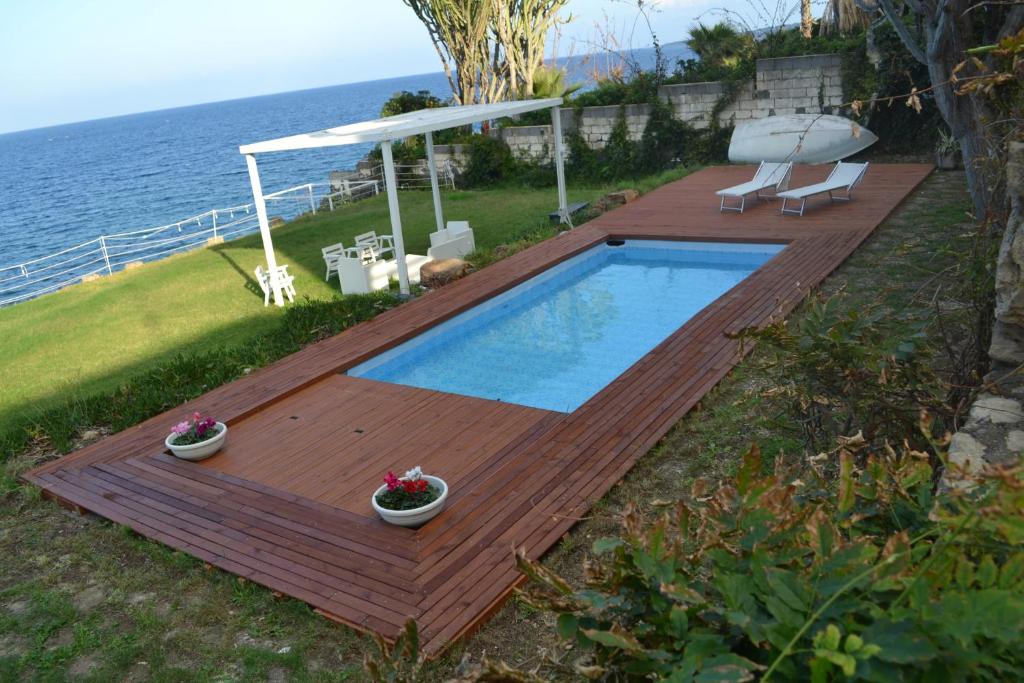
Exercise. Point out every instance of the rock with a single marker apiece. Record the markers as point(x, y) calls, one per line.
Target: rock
point(89, 598)
point(63, 638)
point(13, 646)
point(139, 598)
point(1015, 441)
point(1007, 343)
point(90, 435)
point(276, 221)
point(437, 273)
point(17, 607)
point(967, 452)
point(620, 197)
point(82, 667)
point(996, 410)
point(1010, 264)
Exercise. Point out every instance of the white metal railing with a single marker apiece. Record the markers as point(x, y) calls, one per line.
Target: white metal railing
point(107, 254)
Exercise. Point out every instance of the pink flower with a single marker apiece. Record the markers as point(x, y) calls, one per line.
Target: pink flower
point(392, 481)
point(181, 428)
point(196, 416)
point(204, 425)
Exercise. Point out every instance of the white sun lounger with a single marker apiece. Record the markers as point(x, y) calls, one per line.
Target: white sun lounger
point(768, 175)
point(843, 178)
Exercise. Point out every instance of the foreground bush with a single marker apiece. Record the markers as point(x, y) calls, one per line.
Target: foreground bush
point(841, 369)
point(872, 577)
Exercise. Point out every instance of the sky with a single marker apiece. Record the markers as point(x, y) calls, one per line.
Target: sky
point(75, 60)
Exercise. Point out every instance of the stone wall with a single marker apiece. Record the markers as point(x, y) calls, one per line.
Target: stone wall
point(787, 85)
point(994, 431)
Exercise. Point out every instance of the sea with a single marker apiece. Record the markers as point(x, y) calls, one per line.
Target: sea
point(64, 185)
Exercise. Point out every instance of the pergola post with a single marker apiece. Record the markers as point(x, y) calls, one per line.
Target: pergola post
point(556, 131)
point(261, 214)
point(434, 189)
point(396, 219)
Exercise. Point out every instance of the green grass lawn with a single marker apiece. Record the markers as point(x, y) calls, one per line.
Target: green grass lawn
point(91, 337)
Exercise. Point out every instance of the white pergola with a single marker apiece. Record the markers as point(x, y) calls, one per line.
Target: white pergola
point(386, 131)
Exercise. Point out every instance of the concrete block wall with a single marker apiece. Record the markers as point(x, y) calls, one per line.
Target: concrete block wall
point(458, 155)
point(802, 85)
point(528, 142)
point(596, 123)
point(785, 85)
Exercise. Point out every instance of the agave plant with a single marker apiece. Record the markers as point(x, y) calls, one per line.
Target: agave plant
point(549, 81)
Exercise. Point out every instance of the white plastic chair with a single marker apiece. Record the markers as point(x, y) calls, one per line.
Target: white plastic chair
point(769, 175)
point(843, 178)
point(454, 241)
point(283, 278)
point(377, 246)
point(331, 255)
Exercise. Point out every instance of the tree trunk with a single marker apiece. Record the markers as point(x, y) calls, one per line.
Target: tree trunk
point(946, 31)
point(806, 19)
point(945, 37)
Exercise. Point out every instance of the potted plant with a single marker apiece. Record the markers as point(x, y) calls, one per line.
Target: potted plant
point(197, 438)
point(947, 152)
point(411, 500)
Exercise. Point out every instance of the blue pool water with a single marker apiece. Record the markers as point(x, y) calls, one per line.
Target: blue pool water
point(559, 338)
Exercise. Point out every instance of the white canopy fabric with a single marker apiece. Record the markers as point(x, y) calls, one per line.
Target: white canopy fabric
point(385, 131)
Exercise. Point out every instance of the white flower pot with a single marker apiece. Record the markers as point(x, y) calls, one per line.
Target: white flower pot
point(416, 516)
point(203, 449)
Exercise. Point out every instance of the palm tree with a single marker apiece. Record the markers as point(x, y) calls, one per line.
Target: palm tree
point(720, 44)
point(843, 17)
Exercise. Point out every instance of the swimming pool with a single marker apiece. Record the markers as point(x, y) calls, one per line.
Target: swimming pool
point(557, 339)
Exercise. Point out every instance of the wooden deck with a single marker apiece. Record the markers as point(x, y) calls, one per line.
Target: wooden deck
point(286, 504)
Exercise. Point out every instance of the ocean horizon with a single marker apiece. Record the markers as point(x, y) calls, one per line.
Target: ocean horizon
point(65, 184)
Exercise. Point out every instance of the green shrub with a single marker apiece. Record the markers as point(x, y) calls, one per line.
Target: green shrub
point(793, 576)
point(845, 369)
point(404, 101)
point(641, 88)
point(412, 149)
point(665, 143)
point(490, 161)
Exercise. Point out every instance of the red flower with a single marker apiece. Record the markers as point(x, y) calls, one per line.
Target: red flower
point(410, 486)
point(421, 485)
point(391, 480)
